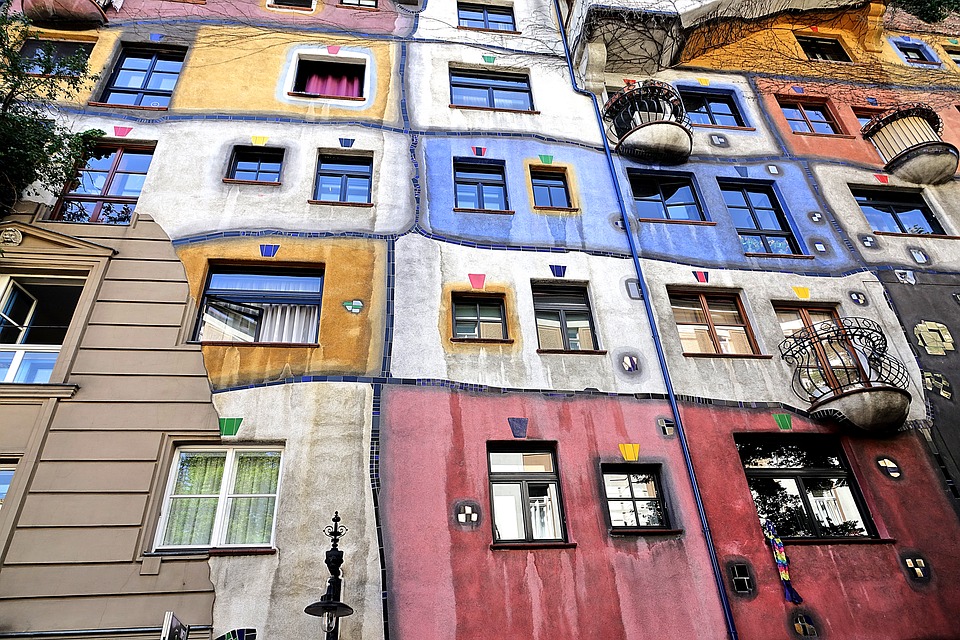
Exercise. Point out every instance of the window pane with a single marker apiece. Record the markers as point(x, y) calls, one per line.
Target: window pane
point(226, 322)
point(470, 96)
point(503, 99)
point(622, 513)
point(733, 340)
point(617, 485)
point(508, 512)
point(126, 184)
point(251, 520)
point(687, 309)
point(649, 513)
point(6, 360)
point(265, 282)
point(6, 477)
point(190, 521)
point(468, 196)
point(834, 507)
point(757, 453)
point(199, 473)
point(518, 462)
point(494, 197)
point(36, 367)
point(544, 511)
point(724, 311)
point(548, 330)
point(643, 485)
point(695, 339)
point(257, 472)
point(778, 500)
point(579, 334)
point(328, 188)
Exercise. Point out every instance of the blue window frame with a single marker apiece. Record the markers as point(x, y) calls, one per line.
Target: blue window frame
point(144, 78)
point(475, 16)
point(549, 189)
point(759, 219)
point(508, 91)
point(480, 186)
point(343, 179)
point(718, 109)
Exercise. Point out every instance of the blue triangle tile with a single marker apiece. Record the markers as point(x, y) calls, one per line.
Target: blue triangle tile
point(518, 426)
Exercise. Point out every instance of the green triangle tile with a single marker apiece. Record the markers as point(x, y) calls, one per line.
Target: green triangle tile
point(784, 421)
point(489, 59)
point(230, 426)
point(545, 159)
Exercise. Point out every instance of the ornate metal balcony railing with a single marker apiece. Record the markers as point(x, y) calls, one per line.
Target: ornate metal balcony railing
point(647, 119)
point(832, 359)
point(908, 139)
point(66, 13)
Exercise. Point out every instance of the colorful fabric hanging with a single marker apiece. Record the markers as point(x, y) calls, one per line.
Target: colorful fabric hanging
point(783, 565)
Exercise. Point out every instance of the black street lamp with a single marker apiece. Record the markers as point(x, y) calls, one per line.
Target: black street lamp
point(329, 609)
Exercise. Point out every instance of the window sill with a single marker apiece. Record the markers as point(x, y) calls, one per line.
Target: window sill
point(362, 205)
point(502, 212)
point(482, 340)
point(301, 94)
point(125, 106)
point(932, 64)
point(227, 343)
point(813, 541)
point(702, 223)
point(262, 183)
point(793, 256)
point(290, 8)
point(526, 546)
point(575, 352)
point(356, 8)
point(938, 236)
point(753, 356)
point(482, 30)
point(558, 209)
point(813, 134)
point(242, 551)
point(641, 531)
point(723, 126)
point(469, 108)
point(43, 390)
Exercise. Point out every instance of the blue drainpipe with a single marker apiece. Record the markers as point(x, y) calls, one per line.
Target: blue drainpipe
point(671, 396)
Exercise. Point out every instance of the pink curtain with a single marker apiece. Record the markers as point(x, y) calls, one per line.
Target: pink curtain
point(333, 85)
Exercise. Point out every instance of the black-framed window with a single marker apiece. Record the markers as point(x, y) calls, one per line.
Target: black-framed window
point(52, 57)
point(712, 323)
point(481, 186)
point(828, 49)
point(478, 16)
point(865, 115)
point(144, 78)
point(369, 4)
point(809, 117)
point(564, 320)
point(329, 79)
point(106, 187)
point(256, 164)
point(804, 486)
point(634, 496)
point(507, 91)
point(297, 4)
point(343, 179)
point(261, 305)
point(718, 109)
point(759, 219)
point(478, 317)
point(665, 197)
point(550, 188)
point(954, 55)
point(525, 494)
point(915, 53)
point(896, 211)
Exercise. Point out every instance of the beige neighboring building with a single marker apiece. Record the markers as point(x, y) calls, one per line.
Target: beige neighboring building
point(98, 389)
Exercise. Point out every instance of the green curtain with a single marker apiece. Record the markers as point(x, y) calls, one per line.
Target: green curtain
point(252, 505)
point(193, 503)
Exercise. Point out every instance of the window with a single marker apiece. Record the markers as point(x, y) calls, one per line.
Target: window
point(809, 118)
point(369, 4)
point(106, 187)
point(475, 16)
point(564, 322)
point(344, 179)
point(915, 53)
point(221, 497)
point(803, 485)
point(478, 318)
point(711, 108)
point(327, 79)
point(759, 220)
point(741, 578)
point(55, 57)
point(865, 115)
point(292, 4)
point(894, 211)
point(525, 495)
point(267, 305)
point(480, 186)
point(144, 78)
point(954, 55)
point(828, 49)
point(549, 189)
point(256, 164)
point(711, 323)
point(509, 91)
point(833, 364)
point(34, 316)
point(7, 467)
point(665, 197)
point(634, 497)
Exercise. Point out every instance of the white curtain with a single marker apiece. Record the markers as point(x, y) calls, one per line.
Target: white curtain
point(289, 323)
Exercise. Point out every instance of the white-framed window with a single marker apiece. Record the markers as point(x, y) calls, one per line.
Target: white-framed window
point(221, 497)
point(328, 74)
point(7, 469)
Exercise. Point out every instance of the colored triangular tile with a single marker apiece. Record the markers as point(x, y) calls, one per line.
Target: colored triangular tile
point(156, 37)
point(704, 81)
point(797, 89)
point(882, 179)
point(269, 250)
point(630, 452)
point(259, 141)
point(558, 270)
point(346, 143)
point(784, 421)
point(479, 151)
point(872, 101)
point(477, 280)
point(489, 59)
point(230, 426)
point(815, 29)
point(121, 132)
point(333, 49)
point(742, 171)
point(702, 276)
point(518, 426)
point(545, 159)
point(802, 292)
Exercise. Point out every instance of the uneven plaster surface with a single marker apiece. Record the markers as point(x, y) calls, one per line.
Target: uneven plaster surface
point(321, 427)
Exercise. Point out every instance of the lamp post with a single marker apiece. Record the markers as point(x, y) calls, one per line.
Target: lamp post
point(329, 608)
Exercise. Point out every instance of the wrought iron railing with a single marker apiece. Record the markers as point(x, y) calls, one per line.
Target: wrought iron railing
point(902, 128)
point(642, 103)
point(831, 358)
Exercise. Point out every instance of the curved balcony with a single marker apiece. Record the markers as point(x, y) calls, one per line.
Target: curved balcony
point(843, 370)
point(79, 12)
point(647, 120)
point(908, 139)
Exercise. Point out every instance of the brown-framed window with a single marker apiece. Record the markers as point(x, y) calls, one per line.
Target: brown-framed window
point(809, 117)
point(834, 364)
point(107, 186)
point(827, 49)
point(479, 317)
point(634, 497)
point(564, 321)
point(712, 323)
point(865, 114)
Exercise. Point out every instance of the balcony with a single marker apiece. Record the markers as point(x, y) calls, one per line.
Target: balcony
point(62, 13)
point(647, 120)
point(843, 371)
point(908, 139)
